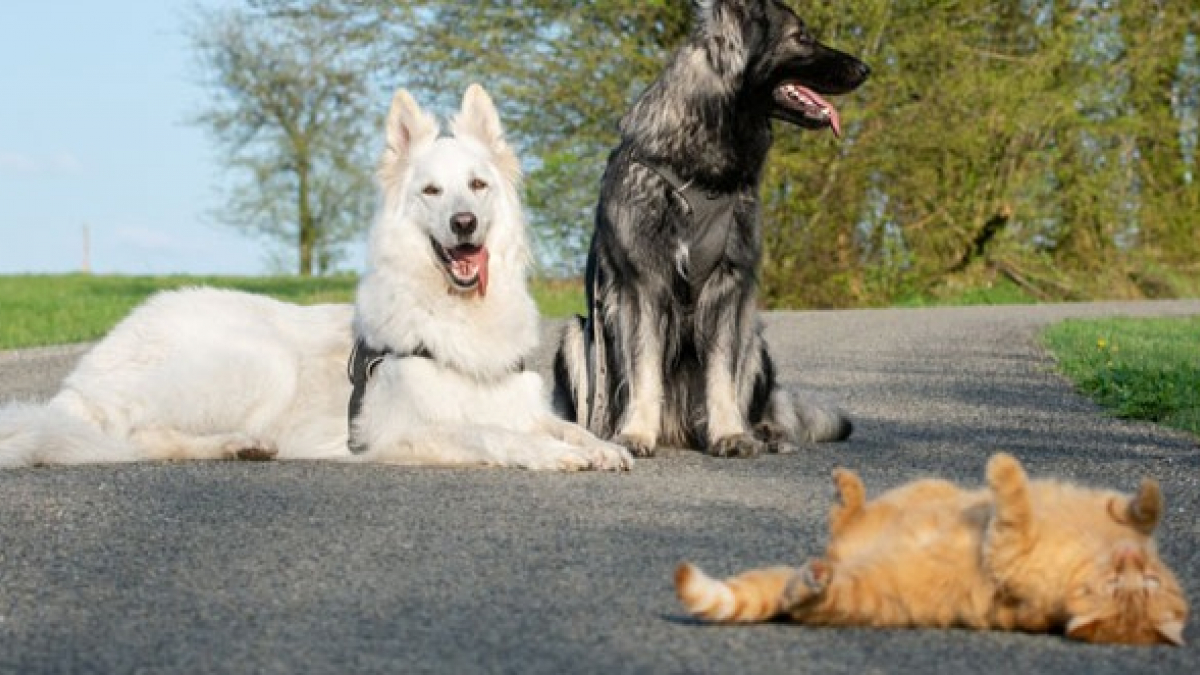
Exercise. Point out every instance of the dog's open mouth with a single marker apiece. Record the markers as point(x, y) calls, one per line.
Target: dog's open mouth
point(466, 266)
point(808, 104)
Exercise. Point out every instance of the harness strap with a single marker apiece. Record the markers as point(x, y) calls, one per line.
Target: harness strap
point(711, 216)
point(364, 360)
point(360, 368)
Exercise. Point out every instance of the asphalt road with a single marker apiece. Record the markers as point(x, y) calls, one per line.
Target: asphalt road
point(311, 567)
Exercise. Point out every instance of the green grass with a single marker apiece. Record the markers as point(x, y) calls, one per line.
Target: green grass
point(559, 298)
point(1146, 369)
point(998, 292)
point(38, 310)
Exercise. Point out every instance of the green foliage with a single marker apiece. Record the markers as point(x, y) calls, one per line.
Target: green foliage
point(38, 310)
point(998, 291)
point(1141, 368)
point(289, 115)
point(992, 140)
point(1051, 145)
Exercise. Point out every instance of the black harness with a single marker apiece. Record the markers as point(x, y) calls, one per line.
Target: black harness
point(711, 214)
point(364, 360)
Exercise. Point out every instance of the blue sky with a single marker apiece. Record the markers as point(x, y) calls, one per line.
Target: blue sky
point(94, 102)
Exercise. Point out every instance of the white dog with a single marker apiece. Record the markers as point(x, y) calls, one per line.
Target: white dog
point(441, 328)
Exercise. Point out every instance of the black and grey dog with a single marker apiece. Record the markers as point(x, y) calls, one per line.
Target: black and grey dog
point(671, 351)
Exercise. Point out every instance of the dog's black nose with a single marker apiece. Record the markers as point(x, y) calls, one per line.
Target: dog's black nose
point(463, 224)
point(864, 71)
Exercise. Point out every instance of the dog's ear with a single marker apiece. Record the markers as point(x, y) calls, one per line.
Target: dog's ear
point(408, 127)
point(479, 120)
point(708, 11)
point(719, 24)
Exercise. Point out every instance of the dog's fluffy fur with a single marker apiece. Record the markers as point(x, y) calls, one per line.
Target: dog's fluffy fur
point(669, 354)
point(213, 374)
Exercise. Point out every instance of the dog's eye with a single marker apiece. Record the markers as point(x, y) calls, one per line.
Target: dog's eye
point(477, 184)
point(431, 191)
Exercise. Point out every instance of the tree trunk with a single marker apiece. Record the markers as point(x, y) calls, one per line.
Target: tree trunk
point(307, 225)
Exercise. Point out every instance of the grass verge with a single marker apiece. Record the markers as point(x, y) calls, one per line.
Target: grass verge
point(997, 292)
point(1146, 369)
point(39, 310)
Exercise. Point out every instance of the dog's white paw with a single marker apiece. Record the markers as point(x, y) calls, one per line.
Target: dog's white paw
point(638, 445)
point(738, 445)
point(552, 457)
point(595, 456)
point(609, 457)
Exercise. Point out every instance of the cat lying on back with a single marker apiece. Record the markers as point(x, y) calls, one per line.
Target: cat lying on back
point(1036, 556)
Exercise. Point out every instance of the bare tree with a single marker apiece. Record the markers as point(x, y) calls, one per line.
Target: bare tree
point(291, 116)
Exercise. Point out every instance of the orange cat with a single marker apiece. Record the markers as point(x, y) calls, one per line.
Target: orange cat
point(1036, 556)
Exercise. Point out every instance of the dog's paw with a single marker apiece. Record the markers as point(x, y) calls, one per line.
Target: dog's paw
point(256, 454)
point(782, 448)
point(638, 446)
point(557, 457)
point(610, 457)
point(248, 449)
point(775, 439)
point(738, 445)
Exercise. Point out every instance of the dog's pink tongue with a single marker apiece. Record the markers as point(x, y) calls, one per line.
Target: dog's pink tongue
point(470, 261)
point(835, 120)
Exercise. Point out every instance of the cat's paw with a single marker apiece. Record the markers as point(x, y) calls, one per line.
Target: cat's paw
point(807, 583)
point(737, 445)
point(1004, 470)
point(850, 488)
point(816, 575)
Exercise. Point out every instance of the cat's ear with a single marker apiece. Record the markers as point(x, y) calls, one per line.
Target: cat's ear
point(1083, 628)
point(1142, 511)
point(1171, 631)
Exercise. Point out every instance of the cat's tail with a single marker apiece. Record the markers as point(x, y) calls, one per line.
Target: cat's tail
point(758, 595)
point(33, 434)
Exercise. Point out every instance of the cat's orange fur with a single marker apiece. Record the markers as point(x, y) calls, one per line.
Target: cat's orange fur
point(1037, 556)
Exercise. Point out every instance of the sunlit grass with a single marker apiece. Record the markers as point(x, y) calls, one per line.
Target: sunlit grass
point(1140, 368)
point(999, 292)
point(37, 310)
point(559, 298)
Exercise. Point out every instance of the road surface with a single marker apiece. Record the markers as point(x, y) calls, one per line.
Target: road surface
point(315, 567)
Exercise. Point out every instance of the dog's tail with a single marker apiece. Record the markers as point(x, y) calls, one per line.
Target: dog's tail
point(822, 423)
point(808, 420)
point(33, 434)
